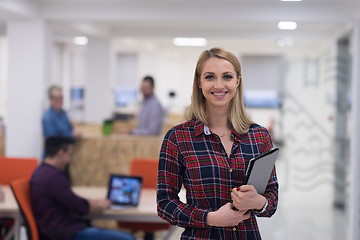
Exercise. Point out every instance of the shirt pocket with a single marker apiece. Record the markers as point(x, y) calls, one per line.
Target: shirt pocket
point(240, 165)
point(204, 169)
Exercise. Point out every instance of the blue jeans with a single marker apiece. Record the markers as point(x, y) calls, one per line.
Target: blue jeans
point(93, 233)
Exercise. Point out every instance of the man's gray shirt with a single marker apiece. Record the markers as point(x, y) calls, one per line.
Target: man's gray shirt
point(150, 118)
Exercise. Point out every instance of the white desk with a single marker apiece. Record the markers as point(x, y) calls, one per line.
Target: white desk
point(145, 212)
point(9, 208)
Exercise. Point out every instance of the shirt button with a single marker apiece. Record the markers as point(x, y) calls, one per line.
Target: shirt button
point(230, 170)
point(234, 229)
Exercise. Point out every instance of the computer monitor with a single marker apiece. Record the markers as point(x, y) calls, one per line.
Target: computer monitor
point(262, 99)
point(125, 96)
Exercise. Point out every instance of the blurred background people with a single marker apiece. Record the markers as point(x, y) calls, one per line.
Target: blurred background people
point(151, 115)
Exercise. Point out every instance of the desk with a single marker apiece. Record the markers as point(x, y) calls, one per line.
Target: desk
point(145, 212)
point(9, 208)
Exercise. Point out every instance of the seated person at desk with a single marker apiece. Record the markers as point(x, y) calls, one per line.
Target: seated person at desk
point(55, 121)
point(151, 115)
point(56, 207)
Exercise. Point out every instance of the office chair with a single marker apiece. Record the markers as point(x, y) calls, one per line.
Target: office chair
point(12, 169)
point(21, 190)
point(16, 168)
point(148, 169)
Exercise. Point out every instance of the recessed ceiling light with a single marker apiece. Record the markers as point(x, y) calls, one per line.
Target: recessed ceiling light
point(190, 42)
point(287, 25)
point(80, 40)
point(291, 0)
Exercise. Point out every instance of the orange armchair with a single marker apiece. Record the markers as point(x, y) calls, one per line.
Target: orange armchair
point(10, 170)
point(148, 169)
point(21, 190)
point(16, 168)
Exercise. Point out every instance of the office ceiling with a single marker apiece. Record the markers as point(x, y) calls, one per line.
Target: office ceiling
point(225, 19)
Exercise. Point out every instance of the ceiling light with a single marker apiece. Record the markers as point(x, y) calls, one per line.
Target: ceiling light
point(287, 25)
point(291, 0)
point(190, 42)
point(80, 40)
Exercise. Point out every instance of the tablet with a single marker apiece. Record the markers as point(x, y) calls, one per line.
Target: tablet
point(259, 169)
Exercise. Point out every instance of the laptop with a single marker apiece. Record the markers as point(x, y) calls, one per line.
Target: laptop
point(124, 191)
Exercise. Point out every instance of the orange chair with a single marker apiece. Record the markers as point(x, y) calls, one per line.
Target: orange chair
point(16, 168)
point(148, 169)
point(12, 169)
point(21, 190)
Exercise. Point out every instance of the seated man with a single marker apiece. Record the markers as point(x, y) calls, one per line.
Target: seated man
point(56, 207)
point(151, 116)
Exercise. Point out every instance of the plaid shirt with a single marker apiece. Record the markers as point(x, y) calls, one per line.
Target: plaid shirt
point(193, 156)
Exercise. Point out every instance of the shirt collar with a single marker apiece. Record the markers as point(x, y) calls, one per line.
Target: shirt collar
point(235, 136)
point(55, 112)
point(201, 128)
point(207, 130)
point(149, 98)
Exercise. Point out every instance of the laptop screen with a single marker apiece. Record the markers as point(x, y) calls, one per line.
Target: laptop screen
point(124, 190)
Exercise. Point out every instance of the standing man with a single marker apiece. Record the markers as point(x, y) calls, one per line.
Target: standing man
point(55, 121)
point(57, 209)
point(150, 118)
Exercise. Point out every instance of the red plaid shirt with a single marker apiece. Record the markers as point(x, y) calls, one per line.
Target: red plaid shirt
point(194, 157)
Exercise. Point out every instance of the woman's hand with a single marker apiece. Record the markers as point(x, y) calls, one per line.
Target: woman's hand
point(226, 216)
point(246, 197)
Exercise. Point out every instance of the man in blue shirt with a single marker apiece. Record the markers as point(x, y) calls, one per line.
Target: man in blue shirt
point(55, 121)
point(150, 118)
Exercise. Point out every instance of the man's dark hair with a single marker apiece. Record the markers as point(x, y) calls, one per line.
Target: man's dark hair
point(56, 143)
point(150, 79)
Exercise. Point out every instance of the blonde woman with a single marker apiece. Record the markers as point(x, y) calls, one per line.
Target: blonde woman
point(209, 154)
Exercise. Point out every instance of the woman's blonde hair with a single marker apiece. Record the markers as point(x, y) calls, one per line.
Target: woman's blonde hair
point(237, 114)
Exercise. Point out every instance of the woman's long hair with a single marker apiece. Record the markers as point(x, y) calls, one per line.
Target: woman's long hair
point(237, 114)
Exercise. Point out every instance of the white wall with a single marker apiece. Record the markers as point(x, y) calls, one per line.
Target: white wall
point(28, 72)
point(3, 75)
point(98, 92)
point(354, 176)
point(308, 133)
